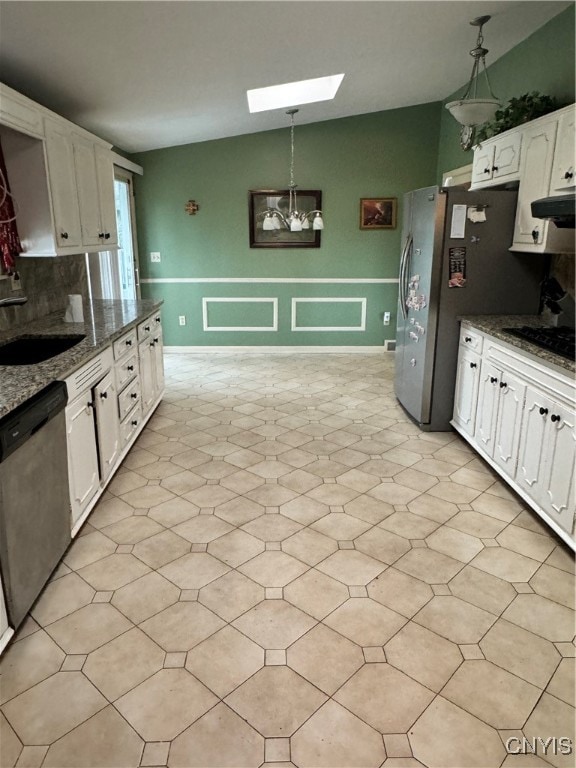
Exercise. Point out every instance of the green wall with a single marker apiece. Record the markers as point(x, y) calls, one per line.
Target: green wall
point(383, 154)
point(543, 62)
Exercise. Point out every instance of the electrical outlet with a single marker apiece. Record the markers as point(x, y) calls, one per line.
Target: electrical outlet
point(182, 319)
point(386, 318)
point(155, 256)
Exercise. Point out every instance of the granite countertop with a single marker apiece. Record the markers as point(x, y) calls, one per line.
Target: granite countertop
point(104, 322)
point(493, 325)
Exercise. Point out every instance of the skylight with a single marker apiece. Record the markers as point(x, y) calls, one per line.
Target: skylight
point(292, 94)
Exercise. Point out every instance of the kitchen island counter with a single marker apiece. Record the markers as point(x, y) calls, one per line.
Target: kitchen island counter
point(104, 322)
point(494, 325)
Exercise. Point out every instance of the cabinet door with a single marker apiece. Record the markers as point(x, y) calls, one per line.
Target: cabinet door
point(488, 392)
point(507, 428)
point(530, 469)
point(506, 162)
point(536, 168)
point(82, 454)
point(559, 467)
point(108, 424)
point(105, 173)
point(466, 391)
point(88, 195)
point(146, 353)
point(564, 161)
point(482, 163)
point(62, 182)
point(158, 353)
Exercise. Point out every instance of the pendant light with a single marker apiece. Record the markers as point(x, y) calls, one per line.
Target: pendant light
point(294, 220)
point(471, 111)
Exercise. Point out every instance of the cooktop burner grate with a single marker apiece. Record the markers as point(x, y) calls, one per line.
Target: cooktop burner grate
point(559, 340)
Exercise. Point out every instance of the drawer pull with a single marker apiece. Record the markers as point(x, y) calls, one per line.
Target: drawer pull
point(129, 367)
point(555, 417)
point(568, 175)
point(134, 395)
point(495, 168)
point(473, 365)
point(101, 235)
point(158, 320)
point(128, 342)
point(534, 234)
point(146, 327)
point(89, 404)
point(156, 340)
point(468, 339)
point(486, 170)
point(64, 235)
point(135, 423)
point(103, 395)
point(503, 384)
point(543, 411)
point(493, 379)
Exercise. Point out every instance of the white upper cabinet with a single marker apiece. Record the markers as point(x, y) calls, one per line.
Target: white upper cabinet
point(537, 158)
point(62, 183)
point(62, 179)
point(497, 160)
point(95, 187)
point(563, 179)
point(540, 156)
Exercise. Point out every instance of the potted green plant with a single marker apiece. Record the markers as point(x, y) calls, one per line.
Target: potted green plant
point(519, 110)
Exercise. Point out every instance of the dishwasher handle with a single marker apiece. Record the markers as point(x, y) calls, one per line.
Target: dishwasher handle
point(27, 419)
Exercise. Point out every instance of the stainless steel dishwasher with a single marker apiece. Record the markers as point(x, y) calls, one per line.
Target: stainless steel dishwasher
point(34, 497)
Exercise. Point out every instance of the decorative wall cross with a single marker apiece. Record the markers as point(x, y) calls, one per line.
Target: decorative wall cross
point(192, 207)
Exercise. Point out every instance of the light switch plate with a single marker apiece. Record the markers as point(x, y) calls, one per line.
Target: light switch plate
point(155, 256)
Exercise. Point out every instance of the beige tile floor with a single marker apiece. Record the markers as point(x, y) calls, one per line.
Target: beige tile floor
point(286, 572)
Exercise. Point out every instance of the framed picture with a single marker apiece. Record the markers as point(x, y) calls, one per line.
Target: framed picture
point(265, 201)
point(378, 213)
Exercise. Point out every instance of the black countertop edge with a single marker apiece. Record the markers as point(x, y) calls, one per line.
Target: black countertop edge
point(493, 325)
point(104, 322)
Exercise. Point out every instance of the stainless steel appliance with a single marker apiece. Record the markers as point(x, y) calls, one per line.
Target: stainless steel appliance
point(34, 497)
point(455, 261)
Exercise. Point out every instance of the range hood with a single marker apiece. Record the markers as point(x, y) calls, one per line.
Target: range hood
point(559, 209)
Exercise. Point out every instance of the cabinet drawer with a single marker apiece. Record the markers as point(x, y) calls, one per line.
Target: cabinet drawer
point(130, 424)
point(125, 344)
point(129, 398)
point(126, 370)
point(471, 339)
point(146, 328)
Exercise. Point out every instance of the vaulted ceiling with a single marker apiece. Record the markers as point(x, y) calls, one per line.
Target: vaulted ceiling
point(153, 74)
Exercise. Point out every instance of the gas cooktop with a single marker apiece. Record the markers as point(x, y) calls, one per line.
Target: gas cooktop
point(559, 340)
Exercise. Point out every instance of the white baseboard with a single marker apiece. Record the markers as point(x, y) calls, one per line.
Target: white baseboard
point(248, 350)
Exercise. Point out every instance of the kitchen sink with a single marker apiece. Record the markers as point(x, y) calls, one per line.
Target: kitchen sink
point(27, 350)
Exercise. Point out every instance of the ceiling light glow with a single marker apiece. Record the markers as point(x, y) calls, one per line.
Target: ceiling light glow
point(292, 94)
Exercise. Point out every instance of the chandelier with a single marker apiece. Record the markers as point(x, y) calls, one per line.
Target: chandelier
point(471, 111)
point(294, 220)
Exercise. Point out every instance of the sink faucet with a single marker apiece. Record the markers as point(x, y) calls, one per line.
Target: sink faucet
point(13, 301)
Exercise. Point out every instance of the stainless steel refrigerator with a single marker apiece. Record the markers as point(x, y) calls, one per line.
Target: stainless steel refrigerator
point(455, 261)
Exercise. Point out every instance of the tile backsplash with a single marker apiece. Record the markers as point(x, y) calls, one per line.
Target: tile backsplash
point(47, 283)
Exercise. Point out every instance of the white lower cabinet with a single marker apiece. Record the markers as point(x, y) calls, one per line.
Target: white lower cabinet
point(466, 395)
point(524, 425)
point(83, 471)
point(151, 354)
point(547, 456)
point(107, 425)
point(106, 411)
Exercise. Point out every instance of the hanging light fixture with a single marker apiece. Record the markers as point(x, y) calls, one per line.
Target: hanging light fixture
point(471, 111)
point(294, 220)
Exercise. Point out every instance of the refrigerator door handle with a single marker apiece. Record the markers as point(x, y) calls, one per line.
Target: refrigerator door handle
point(403, 283)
